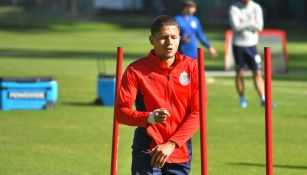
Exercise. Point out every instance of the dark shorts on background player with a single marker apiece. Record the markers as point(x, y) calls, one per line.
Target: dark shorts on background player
point(141, 158)
point(247, 55)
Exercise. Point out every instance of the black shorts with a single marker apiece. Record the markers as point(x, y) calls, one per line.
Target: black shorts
point(247, 55)
point(141, 158)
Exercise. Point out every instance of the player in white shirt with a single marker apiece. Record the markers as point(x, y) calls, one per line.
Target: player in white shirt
point(246, 20)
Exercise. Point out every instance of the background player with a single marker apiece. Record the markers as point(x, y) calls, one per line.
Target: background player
point(164, 87)
point(246, 20)
point(191, 31)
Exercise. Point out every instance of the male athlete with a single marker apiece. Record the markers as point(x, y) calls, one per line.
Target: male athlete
point(191, 31)
point(246, 20)
point(164, 88)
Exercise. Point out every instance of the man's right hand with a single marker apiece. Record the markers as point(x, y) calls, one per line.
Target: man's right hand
point(158, 116)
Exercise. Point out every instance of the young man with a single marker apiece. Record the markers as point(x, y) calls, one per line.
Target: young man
point(246, 21)
point(191, 31)
point(164, 87)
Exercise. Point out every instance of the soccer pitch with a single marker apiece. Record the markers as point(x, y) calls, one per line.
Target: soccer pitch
point(75, 138)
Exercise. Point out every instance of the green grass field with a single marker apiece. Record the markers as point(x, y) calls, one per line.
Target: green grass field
point(75, 138)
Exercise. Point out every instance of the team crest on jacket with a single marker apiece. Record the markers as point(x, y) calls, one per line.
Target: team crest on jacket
point(184, 78)
point(193, 24)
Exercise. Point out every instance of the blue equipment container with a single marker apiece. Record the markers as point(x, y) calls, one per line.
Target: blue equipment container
point(28, 93)
point(106, 90)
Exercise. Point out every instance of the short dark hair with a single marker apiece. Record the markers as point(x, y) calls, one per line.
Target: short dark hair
point(188, 3)
point(161, 21)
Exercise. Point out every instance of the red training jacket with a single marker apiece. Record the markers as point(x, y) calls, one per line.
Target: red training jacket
point(150, 85)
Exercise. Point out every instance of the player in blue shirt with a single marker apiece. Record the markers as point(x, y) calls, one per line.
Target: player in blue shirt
point(191, 30)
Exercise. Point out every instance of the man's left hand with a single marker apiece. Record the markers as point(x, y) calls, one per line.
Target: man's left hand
point(213, 52)
point(161, 153)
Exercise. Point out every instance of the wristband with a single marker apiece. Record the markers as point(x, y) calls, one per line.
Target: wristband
point(151, 118)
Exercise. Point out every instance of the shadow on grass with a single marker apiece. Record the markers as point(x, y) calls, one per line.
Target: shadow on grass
point(20, 53)
point(84, 104)
point(124, 21)
point(297, 69)
point(294, 34)
point(263, 165)
point(80, 104)
point(19, 19)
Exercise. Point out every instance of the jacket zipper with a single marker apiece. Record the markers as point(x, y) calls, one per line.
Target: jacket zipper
point(168, 95)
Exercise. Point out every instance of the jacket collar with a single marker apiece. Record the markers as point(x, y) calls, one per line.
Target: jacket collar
point(157, 61)
point(185, 16)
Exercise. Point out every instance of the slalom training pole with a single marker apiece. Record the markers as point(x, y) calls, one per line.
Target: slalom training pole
point(202, 115)
point(268, 110)
point(119, 64)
